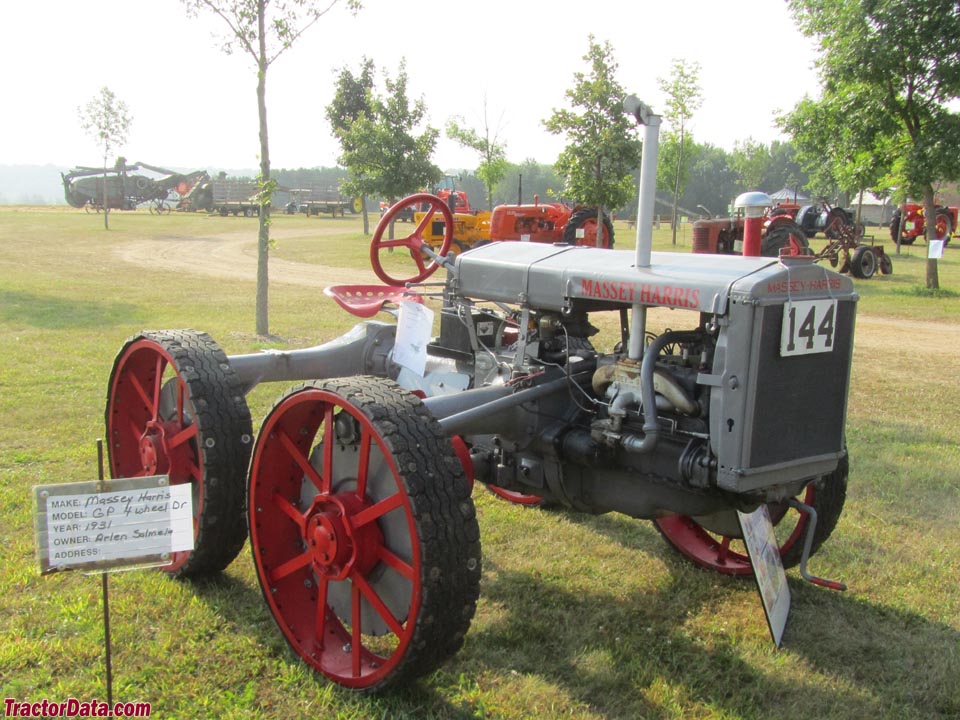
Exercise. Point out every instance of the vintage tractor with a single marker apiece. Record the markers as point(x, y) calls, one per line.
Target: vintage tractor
point(544, 379)
point(825, 218)
point(914, 226)
point(125, 188)
point(724, 236)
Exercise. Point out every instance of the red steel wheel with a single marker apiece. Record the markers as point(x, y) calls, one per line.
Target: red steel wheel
point(364, 535)
point(175, 407)
point(722, 550)
point(414, 242)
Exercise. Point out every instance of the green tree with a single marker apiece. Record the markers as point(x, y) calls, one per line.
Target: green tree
point(750, 162)
point(684, 98)
point(493, 154)
point(383, 153)
point(352, 99)
point(263, 30)
point(522, 182)
point(841, 143)
point(107, 120)
point(901, 62)
point(602, 145)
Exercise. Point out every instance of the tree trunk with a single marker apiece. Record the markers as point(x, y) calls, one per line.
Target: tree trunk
point(106, 206)
point(676, 189)
point(366, 215)
point(930, 225)
point(263, 239)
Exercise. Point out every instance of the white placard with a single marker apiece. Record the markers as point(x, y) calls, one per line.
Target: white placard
point(414, 330)
point(808, 327)
point(935, 249)
point(134, 521)
point(767, 568)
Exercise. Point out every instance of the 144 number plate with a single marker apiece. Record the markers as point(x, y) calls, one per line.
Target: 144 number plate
point(808, 327)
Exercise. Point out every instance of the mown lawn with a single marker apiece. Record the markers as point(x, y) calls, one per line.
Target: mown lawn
point(588, 617)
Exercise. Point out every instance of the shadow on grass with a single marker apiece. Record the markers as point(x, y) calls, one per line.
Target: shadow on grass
point(54, 313)
point(871, 660)
point(247, 612)
point(641, 655)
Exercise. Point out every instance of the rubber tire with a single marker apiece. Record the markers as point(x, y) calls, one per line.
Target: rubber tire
point(863, 263)
point(779, 237)
point(581, 217)
point(431, 478)
point(886, 264)
point(830, 494)
point(223, 440)
point(948, 222)
point(836, 216)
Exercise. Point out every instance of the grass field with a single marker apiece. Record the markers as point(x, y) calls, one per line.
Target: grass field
point(586, 617)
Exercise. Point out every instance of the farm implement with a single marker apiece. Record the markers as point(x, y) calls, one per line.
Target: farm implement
point(126, 189)
point(357, 489)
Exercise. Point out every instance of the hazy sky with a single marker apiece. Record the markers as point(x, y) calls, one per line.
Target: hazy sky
point(195, 107)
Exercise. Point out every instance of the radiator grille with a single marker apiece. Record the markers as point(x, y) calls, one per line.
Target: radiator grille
point(801, 400)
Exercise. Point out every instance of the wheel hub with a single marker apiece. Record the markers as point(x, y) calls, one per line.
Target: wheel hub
point(153, 449)
point(337, 546)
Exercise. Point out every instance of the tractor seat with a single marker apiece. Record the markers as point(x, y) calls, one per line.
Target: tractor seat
point(367, 300)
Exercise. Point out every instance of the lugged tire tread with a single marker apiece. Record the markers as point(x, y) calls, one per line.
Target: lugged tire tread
point(223, 417)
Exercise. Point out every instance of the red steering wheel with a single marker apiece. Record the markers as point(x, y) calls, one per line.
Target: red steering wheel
point(414, 242)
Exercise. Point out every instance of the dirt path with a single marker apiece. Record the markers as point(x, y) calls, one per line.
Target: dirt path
point(234, 256)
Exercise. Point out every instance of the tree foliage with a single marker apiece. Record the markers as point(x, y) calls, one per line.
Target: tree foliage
point(493, 154)
point(383, 152)
point(352, 99)
point(106, 119)
point(602, 145)
point(684, 98)
point(900, 63)
point(263, 30)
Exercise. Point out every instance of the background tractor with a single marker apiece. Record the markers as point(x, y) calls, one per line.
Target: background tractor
point(823, 218)
point(914, 225)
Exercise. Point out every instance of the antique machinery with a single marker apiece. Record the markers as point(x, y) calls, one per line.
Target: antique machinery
point(543, 380)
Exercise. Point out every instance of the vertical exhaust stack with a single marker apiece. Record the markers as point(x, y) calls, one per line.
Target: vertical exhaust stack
point(645, 116)
point(754, 204)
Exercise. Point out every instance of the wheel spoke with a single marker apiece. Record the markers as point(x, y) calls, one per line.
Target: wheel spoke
point(418, 259)
point(321, 622)
point(377, 510)
point(356, 643)
point(326, 481)
point(723, 549)
point(142, 392)
point(363, 467)
point(421, 226)
point(290, 511)
point(392, 560)
point(298, 457)
point(382, 610)
point(190, 431)
point(404, 242)
point(158, 386)
point(291, 566)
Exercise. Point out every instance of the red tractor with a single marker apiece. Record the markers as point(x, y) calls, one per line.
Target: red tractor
point(724, 236)
point(913, 224)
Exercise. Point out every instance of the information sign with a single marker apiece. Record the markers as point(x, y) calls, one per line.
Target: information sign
point(764, 556)
point(99, 526)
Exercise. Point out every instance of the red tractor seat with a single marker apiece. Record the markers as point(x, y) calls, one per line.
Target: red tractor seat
point(367, 300)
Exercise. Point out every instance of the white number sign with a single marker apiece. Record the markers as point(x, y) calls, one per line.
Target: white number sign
point(808, 327)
